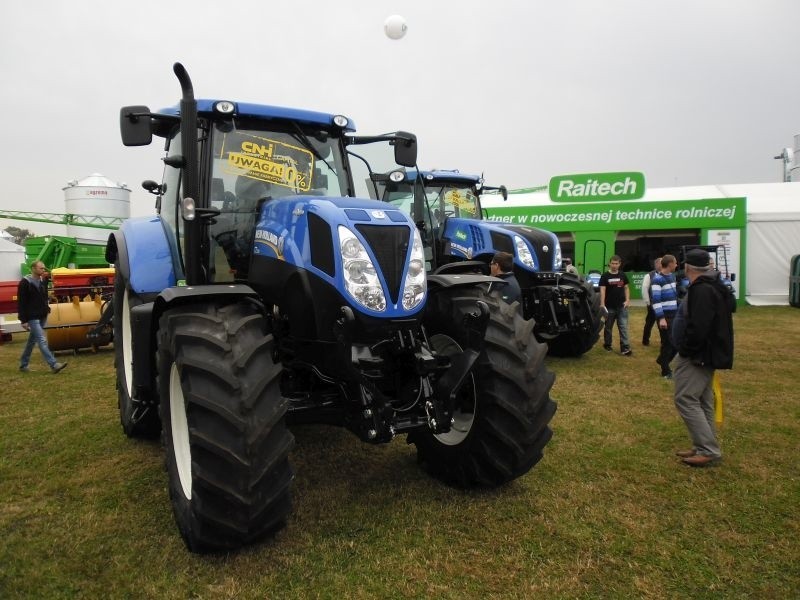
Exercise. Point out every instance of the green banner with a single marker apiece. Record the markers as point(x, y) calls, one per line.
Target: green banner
point(594, 187)
point(675, 214)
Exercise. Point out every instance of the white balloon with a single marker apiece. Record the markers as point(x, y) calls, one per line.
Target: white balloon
point(395, 27)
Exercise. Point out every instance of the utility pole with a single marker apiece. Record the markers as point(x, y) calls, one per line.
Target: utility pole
point(787, 156)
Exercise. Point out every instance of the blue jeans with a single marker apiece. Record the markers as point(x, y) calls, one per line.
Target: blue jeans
point(37, 337)
point(620, 316)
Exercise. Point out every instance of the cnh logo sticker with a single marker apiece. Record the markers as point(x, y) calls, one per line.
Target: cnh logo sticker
point(596, 186)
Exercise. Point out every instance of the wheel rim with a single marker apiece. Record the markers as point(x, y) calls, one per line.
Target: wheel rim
point(127, 345)
point(180, 432)
point(466, 402)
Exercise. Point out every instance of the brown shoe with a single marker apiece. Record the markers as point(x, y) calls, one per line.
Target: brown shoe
point(686, 453)
point(701, 460)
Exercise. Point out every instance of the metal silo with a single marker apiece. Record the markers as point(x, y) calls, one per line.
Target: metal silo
point(95, 196)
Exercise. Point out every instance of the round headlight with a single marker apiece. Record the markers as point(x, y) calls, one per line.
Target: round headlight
point(224, 107)
point(351, 248)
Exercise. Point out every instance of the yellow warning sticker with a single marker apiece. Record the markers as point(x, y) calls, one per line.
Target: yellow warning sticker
point(269, 160)
point(463, 201)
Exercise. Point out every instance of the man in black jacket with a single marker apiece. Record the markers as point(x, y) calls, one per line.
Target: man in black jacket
point(32, 310)
point(502, 266)
point(702, 332)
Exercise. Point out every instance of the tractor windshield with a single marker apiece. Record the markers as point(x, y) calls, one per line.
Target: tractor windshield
point(250, 166)
point(448, 200)
point(441, 200)
point(273, 164)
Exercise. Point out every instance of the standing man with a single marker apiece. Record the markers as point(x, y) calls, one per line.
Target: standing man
point(664, 292)
point(650, 319)
point(703, 335)
point(615, 297)
point(32, 310)
point(502, 266)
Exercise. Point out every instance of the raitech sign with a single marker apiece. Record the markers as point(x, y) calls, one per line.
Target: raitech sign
point(593, 187)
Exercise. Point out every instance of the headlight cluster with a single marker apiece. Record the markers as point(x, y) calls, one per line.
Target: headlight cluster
point(360, 275)
point(524, 253)
point(415, 284)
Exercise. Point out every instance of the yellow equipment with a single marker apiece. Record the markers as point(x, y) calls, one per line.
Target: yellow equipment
point(69, 323)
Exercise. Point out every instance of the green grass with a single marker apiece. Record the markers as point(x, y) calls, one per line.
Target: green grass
point(608, 513)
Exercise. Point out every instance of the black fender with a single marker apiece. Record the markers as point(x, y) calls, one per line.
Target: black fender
point(464, 266)
point(447, 280)
point(145, 318)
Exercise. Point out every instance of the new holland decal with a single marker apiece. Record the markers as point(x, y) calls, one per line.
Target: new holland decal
point(270, 240)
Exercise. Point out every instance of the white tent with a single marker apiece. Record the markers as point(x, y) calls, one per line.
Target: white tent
point(11, 257)
point(773, 232)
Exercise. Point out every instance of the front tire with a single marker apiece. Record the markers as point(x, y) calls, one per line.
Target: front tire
point(501, 422)
point(138, 410)
point(577, 343)
point(226, 441)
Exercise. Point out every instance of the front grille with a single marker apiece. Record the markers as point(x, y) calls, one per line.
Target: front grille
point(389, 244)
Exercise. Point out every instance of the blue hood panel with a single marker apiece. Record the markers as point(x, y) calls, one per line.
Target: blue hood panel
point(283, 233)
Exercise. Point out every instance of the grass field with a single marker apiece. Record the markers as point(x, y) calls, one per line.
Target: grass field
point(608, 513)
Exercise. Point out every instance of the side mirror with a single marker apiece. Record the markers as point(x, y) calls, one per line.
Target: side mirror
point(134, 125)
point(405, 149)
point(154, 187)
point(504, 192)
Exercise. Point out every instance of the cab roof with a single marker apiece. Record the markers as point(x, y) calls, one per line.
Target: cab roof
point(441, 174)
point(266, 111)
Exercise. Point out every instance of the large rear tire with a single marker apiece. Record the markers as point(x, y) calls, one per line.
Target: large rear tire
point(501, 422)
point(226, 442)
point(138, 410)
point(577, 343)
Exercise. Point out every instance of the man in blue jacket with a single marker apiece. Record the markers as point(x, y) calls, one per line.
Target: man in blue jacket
point(664, 294)
point(703, 335)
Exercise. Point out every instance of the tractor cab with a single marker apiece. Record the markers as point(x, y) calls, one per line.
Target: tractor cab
point(437, 201)
point(247, 156)
point(719, 258)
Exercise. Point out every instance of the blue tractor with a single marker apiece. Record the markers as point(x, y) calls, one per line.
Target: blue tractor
point(264, 294)
point(445, 205)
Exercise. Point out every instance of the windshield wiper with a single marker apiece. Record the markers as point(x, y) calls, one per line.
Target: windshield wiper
point(300, 137)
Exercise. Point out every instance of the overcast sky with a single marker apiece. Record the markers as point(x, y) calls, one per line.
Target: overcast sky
point(689, 92)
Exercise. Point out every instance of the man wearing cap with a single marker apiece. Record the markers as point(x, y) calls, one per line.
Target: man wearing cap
point(702, 332)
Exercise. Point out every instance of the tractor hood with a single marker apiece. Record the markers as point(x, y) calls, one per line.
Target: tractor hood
point(361, 247)
point(533, 249)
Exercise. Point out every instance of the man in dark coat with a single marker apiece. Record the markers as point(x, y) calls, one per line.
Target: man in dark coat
point(702, 332)
point(32, 310)
point(502, 266)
